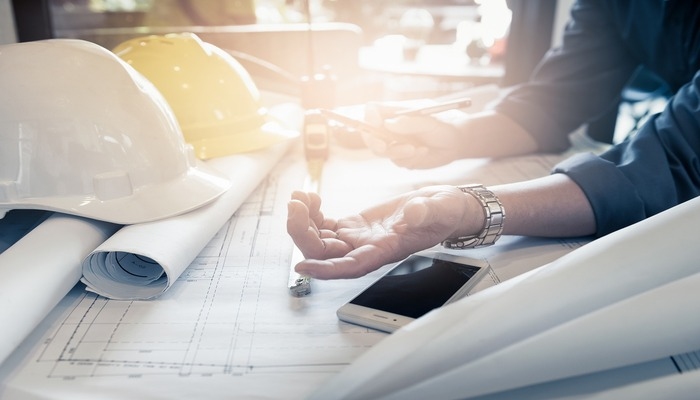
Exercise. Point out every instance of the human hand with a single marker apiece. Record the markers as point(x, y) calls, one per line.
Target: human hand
point(417, 142)
point(355, 245)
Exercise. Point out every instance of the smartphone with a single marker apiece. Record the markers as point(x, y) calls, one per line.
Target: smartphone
point(356, 124)
point(412, 288)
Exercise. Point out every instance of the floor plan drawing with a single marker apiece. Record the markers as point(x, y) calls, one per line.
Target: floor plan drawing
point(228, 318)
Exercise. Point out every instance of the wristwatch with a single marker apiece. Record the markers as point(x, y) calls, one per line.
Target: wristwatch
point(495, 214)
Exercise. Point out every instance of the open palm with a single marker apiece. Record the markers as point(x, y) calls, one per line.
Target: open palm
point(355, 245)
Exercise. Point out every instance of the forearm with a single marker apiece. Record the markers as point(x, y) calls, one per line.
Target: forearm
point(552, 206)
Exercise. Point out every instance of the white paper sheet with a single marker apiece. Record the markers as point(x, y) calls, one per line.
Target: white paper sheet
point(227, 328)
point(38, 270)
point(614, 336)
point(141, 261)
point(627, 263)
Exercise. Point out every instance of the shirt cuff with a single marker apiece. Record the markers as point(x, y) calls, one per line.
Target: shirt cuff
point(612, 196)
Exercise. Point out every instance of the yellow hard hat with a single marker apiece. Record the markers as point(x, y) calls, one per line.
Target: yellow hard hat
point(213, 97)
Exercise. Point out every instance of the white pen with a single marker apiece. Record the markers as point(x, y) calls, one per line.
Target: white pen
point(436, 108)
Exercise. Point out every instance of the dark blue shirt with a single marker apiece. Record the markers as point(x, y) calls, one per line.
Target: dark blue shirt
point(604, 43)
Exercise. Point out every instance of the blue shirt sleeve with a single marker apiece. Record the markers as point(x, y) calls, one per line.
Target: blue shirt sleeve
point(574, 83)
point(604, 42)
point(653, 170)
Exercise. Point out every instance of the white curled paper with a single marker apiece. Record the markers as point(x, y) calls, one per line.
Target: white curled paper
point(142, 261)
point(490, 342)
point(38, 270)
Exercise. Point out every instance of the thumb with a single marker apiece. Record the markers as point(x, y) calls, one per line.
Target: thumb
point(440, 210)
point(417, 213)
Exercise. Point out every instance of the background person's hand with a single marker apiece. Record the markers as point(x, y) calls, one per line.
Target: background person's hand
point(418, 142)
point(355, 245)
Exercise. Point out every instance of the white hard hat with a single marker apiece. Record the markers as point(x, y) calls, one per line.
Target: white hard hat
point(81, 132)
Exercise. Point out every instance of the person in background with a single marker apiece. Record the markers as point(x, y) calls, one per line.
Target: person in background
point(654, 169)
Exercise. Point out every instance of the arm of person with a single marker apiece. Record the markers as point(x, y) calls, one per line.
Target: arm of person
point(355, 245)
point(653, 170)
point(579, 80)
point(573, 84)
point(430, 141)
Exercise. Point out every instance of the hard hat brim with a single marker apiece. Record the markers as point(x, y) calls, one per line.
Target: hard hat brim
point(219, 143)
point(197, 187)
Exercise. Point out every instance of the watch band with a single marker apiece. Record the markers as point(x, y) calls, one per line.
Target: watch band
point(495, 214)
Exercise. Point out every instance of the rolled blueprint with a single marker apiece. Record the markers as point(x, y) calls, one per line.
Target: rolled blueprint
point(141, 261)
point(39, 269)
point(489, 342)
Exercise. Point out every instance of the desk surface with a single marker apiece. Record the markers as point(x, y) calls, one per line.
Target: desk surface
point(438, 61)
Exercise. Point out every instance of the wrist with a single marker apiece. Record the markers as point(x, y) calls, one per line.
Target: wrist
point(511, 138)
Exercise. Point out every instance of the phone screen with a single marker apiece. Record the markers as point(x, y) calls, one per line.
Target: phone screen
point(416, 286)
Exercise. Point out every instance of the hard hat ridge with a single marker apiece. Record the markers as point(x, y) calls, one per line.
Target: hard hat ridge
point(215, 100)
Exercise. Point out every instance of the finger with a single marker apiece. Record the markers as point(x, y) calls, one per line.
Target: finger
point(313, 242)
point(300, 196)
point(310, 244)
point(310, 199)
point(314, 201)
point(333, 268)
point(334, 248)
point(327, 234)
point(321, 247)
point(297, 218)
point(315, 212)
point(354, 264)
